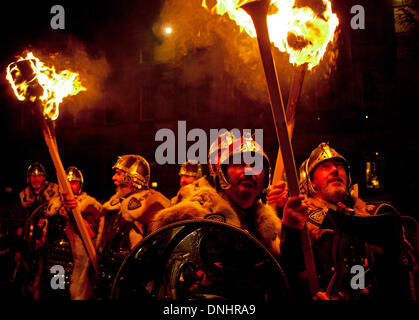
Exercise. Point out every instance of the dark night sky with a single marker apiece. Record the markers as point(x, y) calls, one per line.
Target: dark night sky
point(105, 37)
point(101, 33)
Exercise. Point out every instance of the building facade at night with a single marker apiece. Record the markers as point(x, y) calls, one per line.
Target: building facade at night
point(154, 65)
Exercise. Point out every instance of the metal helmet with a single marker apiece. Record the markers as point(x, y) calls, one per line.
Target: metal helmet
point(35, 169)
point(191, 168)
point(241, 146)
point(322, 153)
point(136, 168)
point(217, 147)
point(74, 174)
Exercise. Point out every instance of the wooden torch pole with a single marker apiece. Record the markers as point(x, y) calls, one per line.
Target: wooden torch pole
point(22, 73)
point(49, 137)
point(293, 97)
point(258, 12)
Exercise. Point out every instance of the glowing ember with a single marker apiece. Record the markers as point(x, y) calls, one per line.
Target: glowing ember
point(31, 80)
point(293, 28)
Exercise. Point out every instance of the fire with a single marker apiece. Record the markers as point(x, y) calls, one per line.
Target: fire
point(31, 79)
point(295, 29)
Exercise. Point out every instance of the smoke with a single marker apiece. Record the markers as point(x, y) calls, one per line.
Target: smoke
point(209, 46)
point(206, 45)
point(71, 54)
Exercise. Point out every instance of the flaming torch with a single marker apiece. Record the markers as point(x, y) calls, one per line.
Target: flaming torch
point(304, 34)
point(309, 31)
point(45, 89)
point(303, 29)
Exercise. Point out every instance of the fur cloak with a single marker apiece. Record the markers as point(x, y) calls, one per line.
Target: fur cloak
point(28, 198)
point(199, 200)
point(138, 208)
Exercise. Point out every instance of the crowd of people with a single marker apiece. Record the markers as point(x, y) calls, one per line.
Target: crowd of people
point(343, 230)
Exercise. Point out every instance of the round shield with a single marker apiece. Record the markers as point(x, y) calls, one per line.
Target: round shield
point(199, 260)
point(35, 229)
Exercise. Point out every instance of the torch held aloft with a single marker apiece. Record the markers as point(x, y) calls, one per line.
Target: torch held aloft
point(293, 97)
point(49, 137)
point(258, 12)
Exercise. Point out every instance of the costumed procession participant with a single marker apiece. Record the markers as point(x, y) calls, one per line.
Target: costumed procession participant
point(222, 143)
point(39, 191)
point(189, 172)
point(33, 200)
point(64, 246)
point(128, 215)
point(219, 242)
point(345, 232)
point(235, 196)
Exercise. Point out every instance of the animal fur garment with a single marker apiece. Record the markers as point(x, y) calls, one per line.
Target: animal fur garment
point(27, 197)
point(199, 200)
point(138, 209)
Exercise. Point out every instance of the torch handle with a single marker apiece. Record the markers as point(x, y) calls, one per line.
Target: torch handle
point(294, 96)
point(258, 12)
point(65, 185)
point(50, 133)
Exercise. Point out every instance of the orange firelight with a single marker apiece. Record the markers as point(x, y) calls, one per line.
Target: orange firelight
point(299, 31)
point(53, 86)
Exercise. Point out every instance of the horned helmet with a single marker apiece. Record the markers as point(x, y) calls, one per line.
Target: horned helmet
point(136, 169)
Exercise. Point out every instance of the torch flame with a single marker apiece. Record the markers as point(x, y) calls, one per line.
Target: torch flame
point(54, 86)
point(294, 29)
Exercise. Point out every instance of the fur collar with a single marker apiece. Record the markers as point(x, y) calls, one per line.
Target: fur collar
point(49, 191)
point(137, 204)
point(202, 201)
point(198, 203)
point(83, 201)
point(114, 203)
point(268, 225)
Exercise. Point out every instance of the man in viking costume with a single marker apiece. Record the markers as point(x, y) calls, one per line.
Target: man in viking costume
point(188, 173)
point(345, 232)
point(64, 246)
point(128, 215)
point(234, 196)
point(39, 190)
point(33, 199)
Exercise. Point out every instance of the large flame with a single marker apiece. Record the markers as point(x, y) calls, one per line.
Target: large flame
point(293, 28)
point(53, 86)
